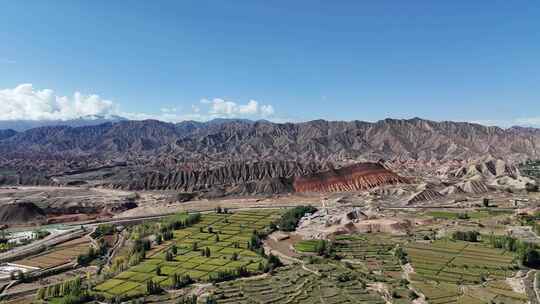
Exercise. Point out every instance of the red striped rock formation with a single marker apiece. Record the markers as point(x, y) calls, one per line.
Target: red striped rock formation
point(352, 178)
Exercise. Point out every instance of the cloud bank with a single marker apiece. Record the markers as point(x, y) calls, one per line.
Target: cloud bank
point(208, 109)
point(26, 103)
point(223, 108)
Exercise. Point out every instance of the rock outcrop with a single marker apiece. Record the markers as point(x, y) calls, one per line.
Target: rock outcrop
point(467, 187)
point(356, 177)
point(488, 168)
point(473, 187)
point(21, 213)
point(425, 196)
point(234, 178)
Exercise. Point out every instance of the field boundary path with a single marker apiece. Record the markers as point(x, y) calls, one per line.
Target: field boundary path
point(114, 250)
point(531, 289)
point(458, 254)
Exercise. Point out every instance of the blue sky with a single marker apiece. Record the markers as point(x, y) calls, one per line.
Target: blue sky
point(280, 60)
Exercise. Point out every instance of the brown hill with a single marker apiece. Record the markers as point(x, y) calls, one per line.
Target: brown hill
point(20, 213)
point(351, 178)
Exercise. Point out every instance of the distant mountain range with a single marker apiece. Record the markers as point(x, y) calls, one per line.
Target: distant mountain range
point(318, 140)
point(155, 154)
point(23, 125)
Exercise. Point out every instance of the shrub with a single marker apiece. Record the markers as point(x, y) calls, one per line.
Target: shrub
point(179, 281)
point(468, 236)
point(153, 288)
point(289, 220)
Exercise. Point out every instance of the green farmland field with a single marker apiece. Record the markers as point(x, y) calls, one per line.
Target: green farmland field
point(307, 246)
point(480, 214)
point(441, 266)
point(294, 285)
point(226, 236)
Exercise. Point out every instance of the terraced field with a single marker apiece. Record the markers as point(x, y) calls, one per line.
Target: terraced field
point(480, 214)
point(307, 246)
point(294, 285)
point(442, 266)
point(459, 262)
point(225, 236)
point(374, 252)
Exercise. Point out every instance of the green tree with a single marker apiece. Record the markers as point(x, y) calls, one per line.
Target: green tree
point(289, 220)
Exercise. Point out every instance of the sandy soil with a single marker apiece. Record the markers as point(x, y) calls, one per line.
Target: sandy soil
point(156, 206)
point(517, 283)
point(284, 246)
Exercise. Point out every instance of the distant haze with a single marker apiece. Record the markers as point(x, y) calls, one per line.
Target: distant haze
point(23, 125)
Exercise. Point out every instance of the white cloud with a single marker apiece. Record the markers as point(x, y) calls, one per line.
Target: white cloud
point(168, 110)
point(208, 109)
point(529, 121)
point(26, 103)
point(267, 110)
point(223, 108)
point(523, 122)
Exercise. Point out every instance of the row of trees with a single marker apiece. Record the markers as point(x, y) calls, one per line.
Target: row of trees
point(532, 221)
point(468, 236)
point(220, 210)
point(86, 258)
point(72, 291)
point(180, 221)
point(170, 223)
point(180, 281)
point(153, 288)
point(527, 253)
point(227, 275)
point(164, 236)
point(102, 230)
point(289, 220)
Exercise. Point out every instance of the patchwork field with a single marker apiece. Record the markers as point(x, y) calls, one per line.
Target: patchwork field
point(307, 246)
point(59, 255)
point(442, 266)
point(294, 285)
point(459, 262)
point(480, 214)
point(217, 243)
point(373, 251)
point(497, 291)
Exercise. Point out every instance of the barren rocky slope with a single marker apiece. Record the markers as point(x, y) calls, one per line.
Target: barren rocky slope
point(6, 133)
point(314, 140)
point(240, 156)
point(352, 178)
point(20, 212)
